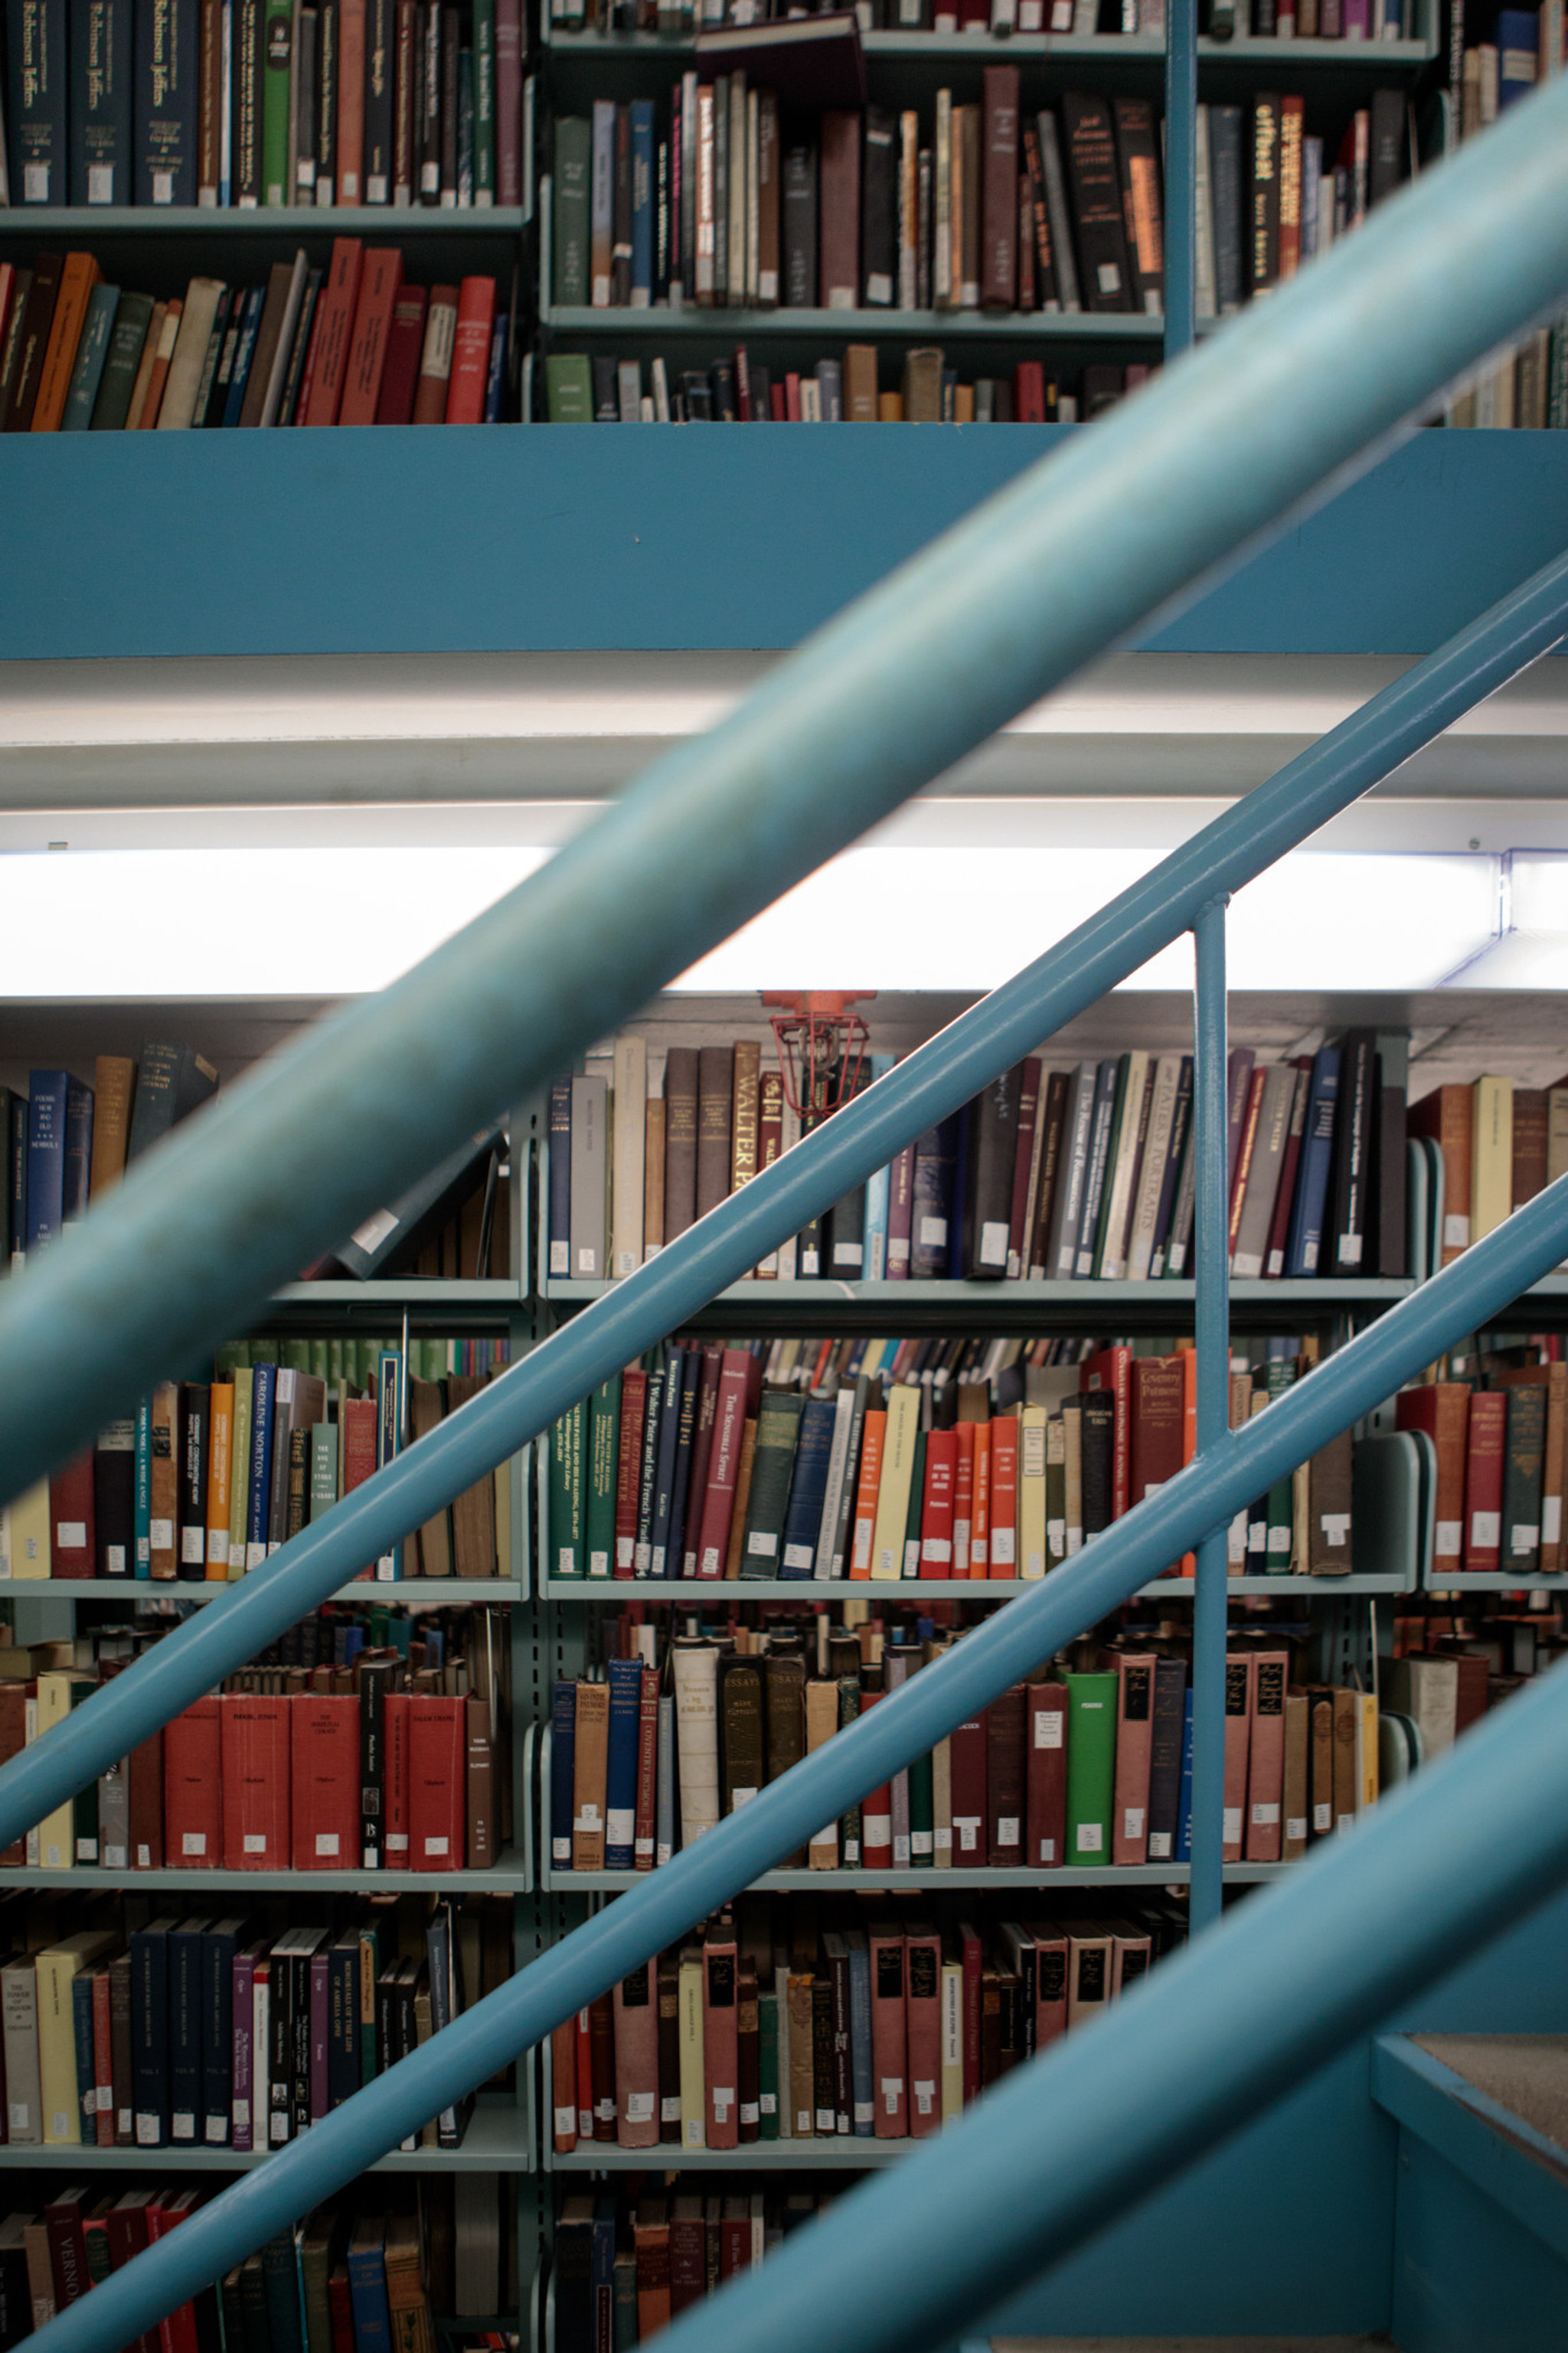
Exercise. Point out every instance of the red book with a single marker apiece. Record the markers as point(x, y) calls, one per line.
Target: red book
point(564, 2086)
point(1029, 393)
point(1028, 1113)
point(1003, 1512)
point(889, 2032)
point(127, 2230)
point(1045, 1777)
point(72, 1526)
point(1483, 1481)
point(967, 1768)
point(1265, 1758)
point(875, 1814)
point(340, 2304)
point(1050, 1981)
point(359, 1441)
point(404, 340)
point(980, 1503)
point(636, 2058)
point(1243, 1168)
point(103, 2059)
point(334, 329)
point(687, 2254)
point(1112, 1369)
point(63, 2219)
point(734, 2237)
point(396, 1708)
point(963, 1496)
point(972, 1953)
point(326, 1782)
point(702, 1426)
point(643, 1851)
point(13, 1698)
point(144, 1803)
point(1005, 1721)
point(922, 2002)
point(629, 1467)
point(438, 1792)
point(380, 278)
point(471, 351)
point(1158, 1434)
point(177, 2332)
point(1134, 1730)
point(256, 1771)
point(936, 1507)
point(1279, 1224)
point(585, 2074)
point(192, 1787)
point(1240, 1678)
point(721, 2034)
point(723, 1463)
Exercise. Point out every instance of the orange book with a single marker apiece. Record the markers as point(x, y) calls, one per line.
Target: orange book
point(220, 1471)
point(1003, 1554)
point(1189, 1358)
point(871, 1446)
point(980, 1514)
point(169, 336)
point(1240, 1685)
point(471, 352)
point(380, 278)
point(339, 300)
point(78, 279)
point(962, 1497)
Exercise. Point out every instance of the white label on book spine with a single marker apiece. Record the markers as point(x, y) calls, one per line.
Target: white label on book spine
point(1264, 1816)
point(1448, 1542)
point(1524, 1538)
point(375, 1231)
point(566, 2123)
point(1336, 1527)
point(1486, 1529)
point(149, 2131)
point(397, 1843)
point(587, 1260)
point(1159, 1846)
point(1006, 1830)
point(968, 1829)
point(1550, 1519)
point(598, 1564)
point(218, 1547)
point(763, 1540)
point(742, 1798)
point(1322, 1820)
point(1092, 1838)
point(1455, 1231)
point(435, 1846)
point(193, 1546)
point(1232, 1825)
point(160, 1535)
point(767, 2103)
point(560, 1258)
point(255, 1843)
point(892, 2092)
point(994, 1244)
point(900, 1852)
point(255, 1553)
point(1349, 1249)
point(670, 2108)
point(937, 1550)
point(1296, 1828)
point(1279, 1539)
point(19, 2110)
point(113, 1858)
point(193, 1842)
point(71, 1535)
point(327, 1843)
point(1002, 1548)
point(723, 2098)
point(797, 1556)
point(1246, 1266)
point(941, 1840)
point(639, 2108)
point(182, 2125)
point(620, 1825)
point(934, 1233)
point(1132, 1821)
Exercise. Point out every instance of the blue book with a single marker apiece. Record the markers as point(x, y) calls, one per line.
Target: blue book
point(186, 2083)
point(1184, 1807)
point(1518, 38)
point(245, 351)
point(20, 1109)
point(142, 1502)
point(1304, 1239)
point(495, 375)
point(86, 2068)
point(99, 73)
point(807, 1488)
point(625, 1677)
point(878, 1196)
point(79, 1150)
point(39, 101)
point(642, 203)
point(664, 1476)
point(1104, 1117)
point(149, 2032)
point(46, 1091)
point(86, 373)
point(263, 1390)
point(219, 1944)
point(562, 1772)
point(367, 2285)
point(931, 1218)
point(559, 1227)
point(685, 1436)
point(860, 2085)
point(163, 108)
point(602, 2262)
point(963, 1121)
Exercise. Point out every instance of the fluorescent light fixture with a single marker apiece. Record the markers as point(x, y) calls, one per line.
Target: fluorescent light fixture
point(1529, 948)
point(332, 920)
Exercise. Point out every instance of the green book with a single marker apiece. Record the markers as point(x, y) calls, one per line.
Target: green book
point(335, 1363)
point(1091, 1765)
point(565, 1496)
point(319, 1360)
point(916, 1504)
point(120, 363)
point(569, 388)
point(294, 1356)
point(768, 2066)
point(484, 102)
point(778, 1427)
point(603, 1456)
point(324, 1467)
point(569, 197)
point(623, 2301)
point(91, 353)
point(923, 1815)
point(277, 73)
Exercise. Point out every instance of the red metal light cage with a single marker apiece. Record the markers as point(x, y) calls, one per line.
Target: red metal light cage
point(821, 1044)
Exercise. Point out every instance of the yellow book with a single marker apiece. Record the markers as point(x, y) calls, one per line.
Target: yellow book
point(1491, 1164)
point(29, 1517)
point(1032, 1491)
point(893, 1490)
point(693, 2072)
point(239, 1467)
point(57, 2028)
point(952, 2042)
point(1365, 1752)
point(57, 1831)
point(220, 1446)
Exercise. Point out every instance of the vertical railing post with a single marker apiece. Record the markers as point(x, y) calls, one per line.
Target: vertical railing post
point(1210, 1141)
point(1181, 173)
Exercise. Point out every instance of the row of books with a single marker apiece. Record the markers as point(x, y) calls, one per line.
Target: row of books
point(1497, 1145)
point(209, 1479)
point(799, 2022)
point(396, 1776)
point(335, 347)
point(355, 1357)
point(696, 1470)
point(1527, 388)
point(1269, 196)
point(1221, 20)
point(721, 201)
point(262, 102)
point(1091, 1771)
point(1495, 75)
point(68, 1143)
point(1051, 1175)
point(240, 2033)
point(598, 388)
point(624, 2268)
point(1500, 1472)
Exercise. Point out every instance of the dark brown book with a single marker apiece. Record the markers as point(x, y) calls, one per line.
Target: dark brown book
point(1138, 155)
point(1263, 217)
point(144, 1804)
point(999, 190)
point(424, 1412)
point(990, 2025)
point(1524, 1445)
point(1005, 1776)
point(839, 210)
point(1319, 1764)
point(602, 2059)
point(1097, 214)
point(1329, 1509)
point(681, 1078)
point(968, 163)
point(827, 2112)
point(38, 318)
point(668, 1988)
point(715, 1100)
point(1050, 1116)
point(1393, 1129)
point(269, 336)
point(474, 1510)
point(741, 1730)
point(784, 1680)
point(11, 344)
point(1529, 1143)
point(748, 2086)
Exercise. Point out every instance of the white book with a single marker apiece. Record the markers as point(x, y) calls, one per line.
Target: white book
point(789, 1254)
point(628, 1137)
point(697, 1735)
point(833, 1493)
point(1120, 1178)
point(195, 326)
point(1152, 1176)
point(1204, 303)
point(1071, 1174)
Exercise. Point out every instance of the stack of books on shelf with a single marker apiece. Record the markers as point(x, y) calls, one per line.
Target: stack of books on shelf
point(1498, 1443)
point(878, 1460)
point(1055, 1175)
point(391, 1758)
point(623, 2269)
point(241, 2032)
point(262, 103)
point(1087, 1769)
point(352, 343)
point(1221, 20)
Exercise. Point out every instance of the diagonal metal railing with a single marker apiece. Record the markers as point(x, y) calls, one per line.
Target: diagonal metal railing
point(1484, 218)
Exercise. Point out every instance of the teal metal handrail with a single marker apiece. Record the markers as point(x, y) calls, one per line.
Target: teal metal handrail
point(1067, 560)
